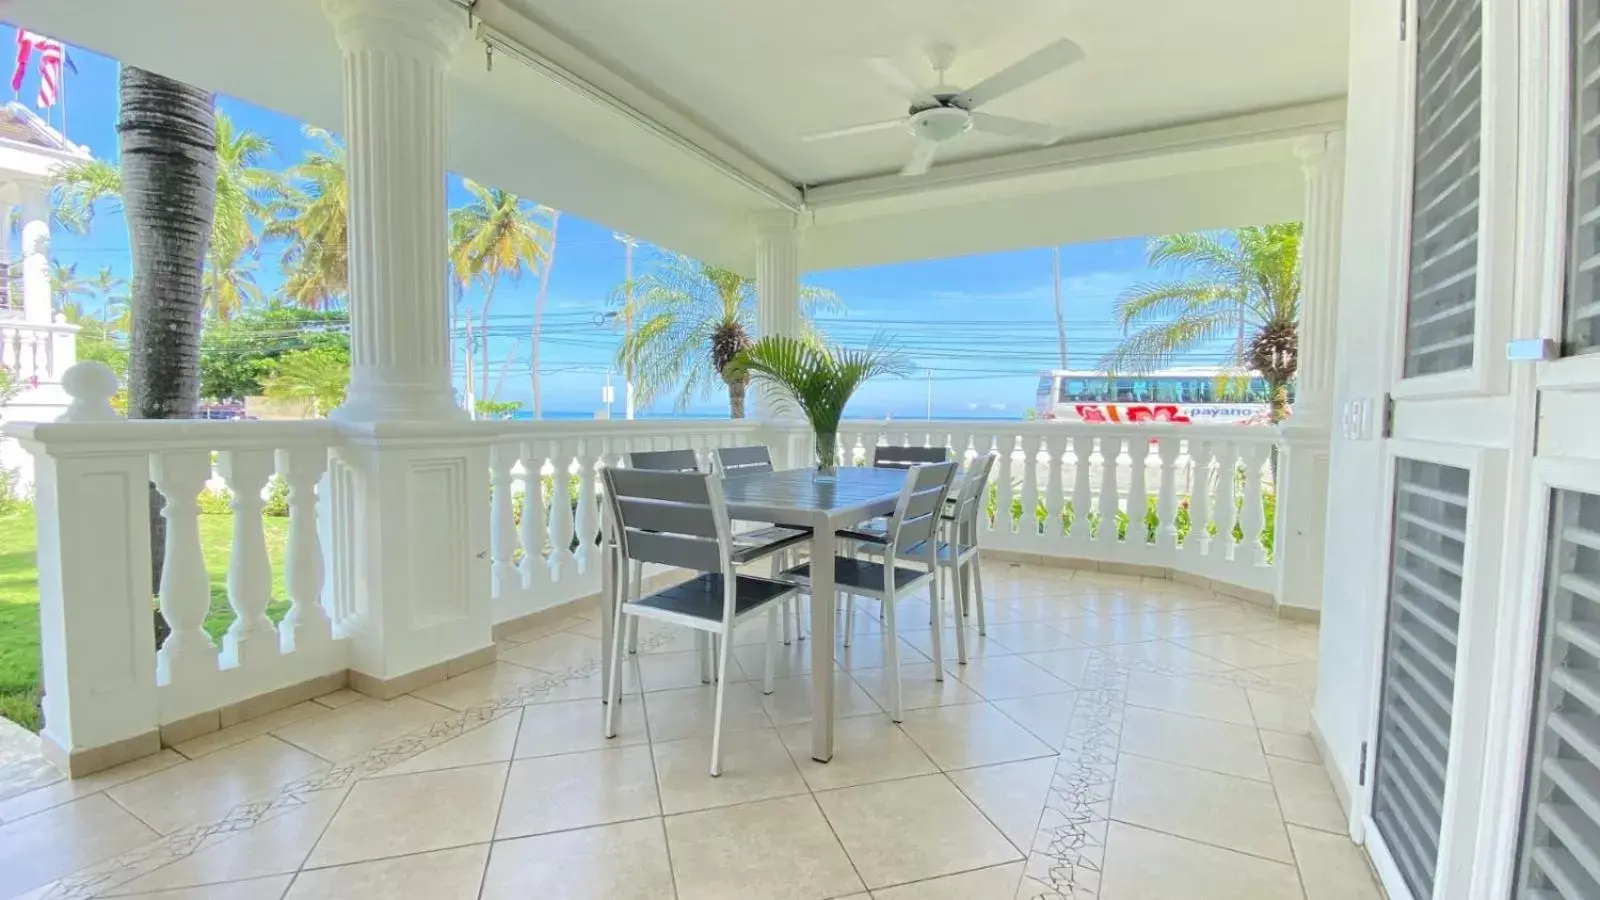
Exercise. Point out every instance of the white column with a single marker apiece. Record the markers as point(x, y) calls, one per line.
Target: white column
point(778, 313)
point(1303, 457)
point(408, 497)
point(396, 53)
point(36, 259)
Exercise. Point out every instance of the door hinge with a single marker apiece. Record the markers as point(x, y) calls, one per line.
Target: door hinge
point(1361, 767)
point(1404, 19)
point(1386, 429)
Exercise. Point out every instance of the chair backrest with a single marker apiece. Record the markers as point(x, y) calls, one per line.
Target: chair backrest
point(672, 518)
point(917, 516)
point(665, 460)
point(892, 456)
point(970, 498)
point(736, 461)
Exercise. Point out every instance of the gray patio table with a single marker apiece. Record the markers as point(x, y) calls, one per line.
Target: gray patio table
point(797, 497)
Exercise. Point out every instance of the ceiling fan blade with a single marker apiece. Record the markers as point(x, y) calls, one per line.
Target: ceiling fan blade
point(921, 158)
point(1038, 132)
point(902, 81)
point(1023, 72)
point(864, 128)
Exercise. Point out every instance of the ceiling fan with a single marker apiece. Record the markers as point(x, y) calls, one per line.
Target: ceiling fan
point(942, 113)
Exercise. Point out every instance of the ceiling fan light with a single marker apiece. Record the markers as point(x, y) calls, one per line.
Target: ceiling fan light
point(940, 124)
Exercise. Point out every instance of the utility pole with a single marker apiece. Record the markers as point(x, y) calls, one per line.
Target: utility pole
point(628, 243)
point(930, 395)
point(1061, 319)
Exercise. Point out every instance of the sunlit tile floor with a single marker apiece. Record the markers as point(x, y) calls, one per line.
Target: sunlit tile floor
point(1112, 737)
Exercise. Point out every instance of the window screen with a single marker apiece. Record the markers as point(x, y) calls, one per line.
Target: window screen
point(1559, 854)
point(1582, 331)
point(1443, 287)
point(1419, 665)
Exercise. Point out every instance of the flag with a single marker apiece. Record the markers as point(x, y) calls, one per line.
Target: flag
point(51, 53)
point(24, 49)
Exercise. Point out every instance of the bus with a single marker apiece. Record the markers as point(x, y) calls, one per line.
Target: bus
point(1175, 395)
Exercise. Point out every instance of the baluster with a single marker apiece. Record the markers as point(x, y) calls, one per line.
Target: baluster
point(1030, 488)
point(307, 623)
point(1255, 515)
point(587, 521)
point(1199, 499)
point(532, 531)
point(1110, 450)
point(185, 589)
point(1055, 501)
point(1167, 498)
point(503, 577)
point(251, 636)
point(1228, 496)
point(1138, 494)
point(1005, 521)
point(1082, 448)
point(561, 560)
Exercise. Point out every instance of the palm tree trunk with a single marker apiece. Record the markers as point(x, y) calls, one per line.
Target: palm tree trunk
point(1061, 319)
point(488, 298)
point(538, 311)
point(169, 160)
point(736, 392)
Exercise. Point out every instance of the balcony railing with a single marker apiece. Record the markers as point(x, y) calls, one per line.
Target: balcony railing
point(1193, 500)
point(37, 352)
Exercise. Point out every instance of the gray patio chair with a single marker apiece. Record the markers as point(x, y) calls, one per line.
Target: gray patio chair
point(680, 519)
point(915, 523)
point(736, 462)
point(895, 456)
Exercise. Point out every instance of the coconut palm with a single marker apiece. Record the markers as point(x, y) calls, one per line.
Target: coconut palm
point(538, 311)
point(114, 312)
point(497, 234)
point(317, 377)
point(65, 285)
point(1243, 283)
point(691, 322)
point(313, 217)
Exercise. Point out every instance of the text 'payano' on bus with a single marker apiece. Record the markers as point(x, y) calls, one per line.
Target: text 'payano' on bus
point(1174, 395)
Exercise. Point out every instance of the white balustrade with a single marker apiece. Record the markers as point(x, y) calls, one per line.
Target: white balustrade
point(249, 569)
point(37, 351)
point(307, 625)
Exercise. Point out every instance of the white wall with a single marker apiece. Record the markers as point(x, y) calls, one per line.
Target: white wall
point(1353, 575)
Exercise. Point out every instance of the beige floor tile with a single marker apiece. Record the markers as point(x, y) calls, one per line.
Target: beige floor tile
point(276, 846)
point(1005, 677)
point(569, 686)
point(68, 790)
point(360, 726)
point(980, 884)
point(1037, 637)
point(1067, 665)
point(1290, 746)
point(866, 749)
point(1205, 622)
point(585, 627)
point(441, 875)
point(250, 728)
point(1287, 713)
point(1300, 640)
point(1298, 678)
point(777, 849)
point(1305, 795)
point(1047, 716)
point(1238, 650)
point(489, 743)
point(481, 685)
point(790, 700)
point(918, 828)
point(1165, 653)
point(1331, 867)
point(48, 845)
point(668, 671)
point(690, 712)
point(627, 861)
point(555, 652)
point(977, 647)
point(270, 888)
point(412, 814)
point(977, 734)
point(1193, 741)
point(1100, 628)
point(555, 793)
point(544, 629)
point(1190, 696)
point(918, 690)
point(794, 659)
point(867, 653)
point(1012, 795)
point(574, 725)
point(755, 766)
point(1145, 865)
point(205, 789)
point(1231, 812)
point(341, 697)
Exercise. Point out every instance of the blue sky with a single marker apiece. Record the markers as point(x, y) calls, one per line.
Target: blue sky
point(982, 327)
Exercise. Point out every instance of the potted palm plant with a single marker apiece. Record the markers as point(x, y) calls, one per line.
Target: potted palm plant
point(818, 380)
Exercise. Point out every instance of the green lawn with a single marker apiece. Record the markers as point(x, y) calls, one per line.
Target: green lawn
point(19, 602)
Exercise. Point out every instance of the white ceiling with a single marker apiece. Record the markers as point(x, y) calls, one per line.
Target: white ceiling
point(766, 73)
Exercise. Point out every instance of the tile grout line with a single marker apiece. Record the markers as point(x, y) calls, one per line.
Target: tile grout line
point(499, 807)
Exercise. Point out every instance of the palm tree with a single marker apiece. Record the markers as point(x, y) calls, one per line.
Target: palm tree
point(496, 234)
point(65, 285)
point(691, 322)
point(317, 377)
point(313, 216)
point(538, 311)
point(114, 312)
point(230, 283)
point(1244, 282)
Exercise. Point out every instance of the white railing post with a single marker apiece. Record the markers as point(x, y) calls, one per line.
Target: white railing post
point(1198, 543)
point(307, 624)
point(1082, 449)
point(1004, 521)
point(1110, 449)
point(562, 562)
point(1228, 497)
point(504, 579)
point(534, 529)
point(185, 594)
point(1030, 490)
point(1055, 499)
point(1167, 499)
point(1255, 516)
point(251, 637)
point(1138, 493)
point(587, 519)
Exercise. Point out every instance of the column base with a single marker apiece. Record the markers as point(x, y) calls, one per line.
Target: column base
point(366, 403)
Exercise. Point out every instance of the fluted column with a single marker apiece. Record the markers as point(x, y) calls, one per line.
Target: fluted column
point(36, 300)
point(777, 285)
point(1303, 458)
point(396, 53)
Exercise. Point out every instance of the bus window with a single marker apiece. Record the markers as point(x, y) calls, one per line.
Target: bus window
point(1168, 390)
point(1074, 391)
point(1124, 392)
point(1046, 384)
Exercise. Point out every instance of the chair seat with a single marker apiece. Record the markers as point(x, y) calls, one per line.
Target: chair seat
point(701, 597)
point(860, 575)
point(919, 552)
point(752, 545)
point(873, 532)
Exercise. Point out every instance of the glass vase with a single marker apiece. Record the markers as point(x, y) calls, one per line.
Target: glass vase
point(827, 455)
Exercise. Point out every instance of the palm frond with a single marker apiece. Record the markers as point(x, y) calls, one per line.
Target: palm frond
point(818, 381)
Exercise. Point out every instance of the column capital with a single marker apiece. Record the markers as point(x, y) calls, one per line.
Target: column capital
point(1314, 151)
point(423, 29)
point(774, 221)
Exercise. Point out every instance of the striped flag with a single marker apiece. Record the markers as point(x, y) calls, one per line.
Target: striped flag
point(51, 57)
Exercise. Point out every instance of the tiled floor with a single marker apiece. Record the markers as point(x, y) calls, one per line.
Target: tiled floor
point(1113, 737)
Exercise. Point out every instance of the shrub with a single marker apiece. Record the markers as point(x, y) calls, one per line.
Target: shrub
point(216, 502)
point(13, 496)
point(277, 497)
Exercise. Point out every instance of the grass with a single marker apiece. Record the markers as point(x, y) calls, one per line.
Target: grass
point(19, 602)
